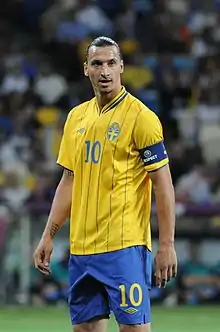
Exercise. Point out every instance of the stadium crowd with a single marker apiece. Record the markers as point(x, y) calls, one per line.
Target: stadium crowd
point(171, 54)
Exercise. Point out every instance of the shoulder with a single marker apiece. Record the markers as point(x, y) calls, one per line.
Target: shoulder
point(143, 113)
point(79, 110)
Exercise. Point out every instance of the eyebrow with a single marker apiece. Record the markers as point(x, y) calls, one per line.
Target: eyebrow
point(96, 62)
point(99, 62)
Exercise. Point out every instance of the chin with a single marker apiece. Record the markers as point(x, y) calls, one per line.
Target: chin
point(105, 90)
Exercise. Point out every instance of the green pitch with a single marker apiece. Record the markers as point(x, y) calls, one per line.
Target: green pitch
point(183, 319)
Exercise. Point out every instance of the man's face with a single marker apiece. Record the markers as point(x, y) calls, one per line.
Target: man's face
point(104, 68)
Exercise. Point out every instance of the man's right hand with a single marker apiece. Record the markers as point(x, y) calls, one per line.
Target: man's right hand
point(42, 255)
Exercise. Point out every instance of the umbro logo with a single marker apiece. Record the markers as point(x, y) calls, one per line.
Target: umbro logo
point(131, 311)
point(81, 130)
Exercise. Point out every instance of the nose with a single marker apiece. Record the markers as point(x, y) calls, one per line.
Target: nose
point(105, 70)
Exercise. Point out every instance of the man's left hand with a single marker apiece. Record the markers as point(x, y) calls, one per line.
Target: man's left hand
point(166, 264)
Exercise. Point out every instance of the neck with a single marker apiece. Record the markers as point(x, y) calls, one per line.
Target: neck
point(104, 98)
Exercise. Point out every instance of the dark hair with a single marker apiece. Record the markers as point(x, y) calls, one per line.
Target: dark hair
point(103, 42)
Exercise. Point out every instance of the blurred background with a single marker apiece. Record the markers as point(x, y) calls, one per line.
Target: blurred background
point(171, 50)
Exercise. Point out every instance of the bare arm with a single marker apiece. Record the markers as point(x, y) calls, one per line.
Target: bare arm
point(165, 203)
point(60, 209)
point(165, 259)
point(59, 212)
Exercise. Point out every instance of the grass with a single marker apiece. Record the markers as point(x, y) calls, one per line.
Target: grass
point(182, 319)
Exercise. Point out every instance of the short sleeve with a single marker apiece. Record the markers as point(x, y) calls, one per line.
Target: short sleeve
point(64, 158)
point(148, 138)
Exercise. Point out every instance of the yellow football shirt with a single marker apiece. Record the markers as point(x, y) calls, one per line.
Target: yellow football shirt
point(111, 153)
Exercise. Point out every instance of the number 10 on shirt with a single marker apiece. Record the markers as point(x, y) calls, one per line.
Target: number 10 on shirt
point(93, 152)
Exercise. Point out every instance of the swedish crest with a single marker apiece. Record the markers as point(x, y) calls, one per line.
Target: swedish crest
point(113, 132)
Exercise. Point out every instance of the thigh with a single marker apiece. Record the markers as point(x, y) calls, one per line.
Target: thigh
point(127, 274)
point(95, 325)
point(135, 328)
point(87, 297)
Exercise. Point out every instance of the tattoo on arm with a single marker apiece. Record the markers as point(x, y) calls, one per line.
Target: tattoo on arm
point(54, 229)
point(68, 172)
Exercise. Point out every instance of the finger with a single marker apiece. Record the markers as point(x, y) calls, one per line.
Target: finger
point(38, 259)
point(174, 270)
point(158, 277)
point(169, 273)
point(164, 278)
point(45, 266)
point(43, 270)
point(47, 258)
point(39, 263)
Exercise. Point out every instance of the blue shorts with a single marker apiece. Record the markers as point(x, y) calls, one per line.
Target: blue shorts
point(117, 282)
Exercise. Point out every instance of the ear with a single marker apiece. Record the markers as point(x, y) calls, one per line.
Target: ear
point(122, 66)
point(86, 69)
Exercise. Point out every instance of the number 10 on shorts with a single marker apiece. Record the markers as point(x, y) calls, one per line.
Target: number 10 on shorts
point(134, 300)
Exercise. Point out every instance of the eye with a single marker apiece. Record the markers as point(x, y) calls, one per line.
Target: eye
point(96, 63)
point(112, 62)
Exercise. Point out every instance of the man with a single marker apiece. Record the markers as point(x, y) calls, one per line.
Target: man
point(112, 150)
